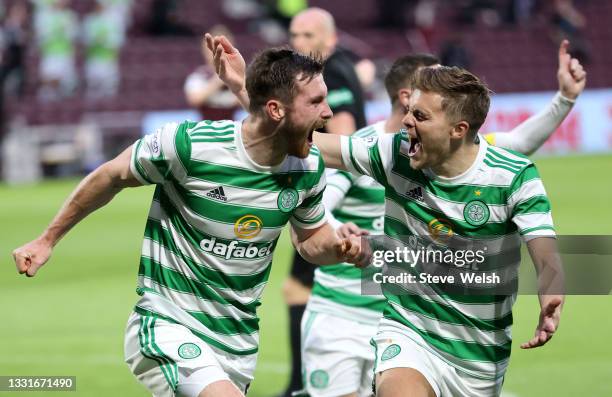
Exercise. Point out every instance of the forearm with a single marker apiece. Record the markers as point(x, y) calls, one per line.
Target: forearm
point(319, 248)
point(243, 98)
point(530, 135)
point(94, 191)
point(330, 148)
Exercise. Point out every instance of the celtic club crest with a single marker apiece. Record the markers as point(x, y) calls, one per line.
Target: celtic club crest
point(287, 199)
point(476, 213)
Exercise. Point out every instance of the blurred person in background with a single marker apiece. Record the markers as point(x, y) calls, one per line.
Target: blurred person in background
point(164, 19)
point(454, 52)
point(103, 35)
point(569, 23)
point(121, 10)
point(14, 37)
point(203, 88)
point(56, 31)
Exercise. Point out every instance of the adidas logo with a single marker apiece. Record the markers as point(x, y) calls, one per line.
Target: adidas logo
point(416, 194)
point(217, 194)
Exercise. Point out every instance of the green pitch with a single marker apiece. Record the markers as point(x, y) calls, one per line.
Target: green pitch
point(69, 320)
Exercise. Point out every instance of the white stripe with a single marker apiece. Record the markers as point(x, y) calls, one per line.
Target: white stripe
point(158, 304)
point(527, 190)
point(193, 303)
point(454, 331)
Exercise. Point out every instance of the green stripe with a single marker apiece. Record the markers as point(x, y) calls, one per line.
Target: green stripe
point(226, 325)
point(200, 335)
point(348, 299)
point(373, 195)
point(362, 222)
point(147, 351)
point(451, 315)
point(311, 221)
point(248, 179)
point(494, 165)
point(212, 133)
point(378, 170)
point(170, 279)
point(211, 140)
point(533, 229)
point(535, 204)
point(498, 153)
point(465, 350)
point(347, 271)
point(216, 278)
point(207, 125)
point(461, 227)
point(182, 146)
point(494, 195)
point(171, 366)
point(494, 160)
point(224, 212)
point(312, 201)
point(365, 132)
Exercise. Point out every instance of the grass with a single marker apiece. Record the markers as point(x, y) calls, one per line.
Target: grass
point(70, 319)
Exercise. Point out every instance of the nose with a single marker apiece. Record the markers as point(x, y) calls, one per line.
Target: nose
point(327, 112)
point(408, 121)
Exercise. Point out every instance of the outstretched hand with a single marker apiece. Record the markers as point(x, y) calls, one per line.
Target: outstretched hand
point(229, 63)
point(571, 74)
point(550, 315)
point(32, 256)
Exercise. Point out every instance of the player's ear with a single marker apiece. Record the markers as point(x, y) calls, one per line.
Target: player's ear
point(275, 110)
point(460, 130)
point(403, 96)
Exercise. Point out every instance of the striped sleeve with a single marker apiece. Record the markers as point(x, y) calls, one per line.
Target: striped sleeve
point(371, 156)
point(310, 214)
point(163, 155)
point(529, 205)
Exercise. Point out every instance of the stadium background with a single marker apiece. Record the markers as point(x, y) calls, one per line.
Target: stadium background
point(70, 319)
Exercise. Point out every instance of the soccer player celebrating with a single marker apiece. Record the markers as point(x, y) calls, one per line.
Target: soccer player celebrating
point(225, 190)
point(340, 321)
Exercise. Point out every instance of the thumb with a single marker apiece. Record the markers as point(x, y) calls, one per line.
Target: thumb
point(564, 57)
point(33, 268)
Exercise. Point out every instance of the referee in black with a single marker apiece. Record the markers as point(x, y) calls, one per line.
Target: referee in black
point(313, 31)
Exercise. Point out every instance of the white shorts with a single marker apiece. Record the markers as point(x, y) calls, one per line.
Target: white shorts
point(398, 346)
point(169, 360)
point(337, 357)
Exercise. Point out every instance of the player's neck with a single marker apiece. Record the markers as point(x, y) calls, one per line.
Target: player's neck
point(262, 142)
point(459, 161)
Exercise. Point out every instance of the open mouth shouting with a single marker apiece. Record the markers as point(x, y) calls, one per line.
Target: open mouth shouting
point(415, 145)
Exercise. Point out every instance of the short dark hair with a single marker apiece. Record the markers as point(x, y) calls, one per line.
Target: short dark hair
point(402, 72)
point(274, 72)
point(465, 96)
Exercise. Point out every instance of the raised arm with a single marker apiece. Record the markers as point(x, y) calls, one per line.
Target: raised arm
point(229, 65)
point(95, 191)
point(530, 135)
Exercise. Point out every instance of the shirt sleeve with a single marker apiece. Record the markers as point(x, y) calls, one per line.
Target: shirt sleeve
point(310, 214)
point(371, 156)
point(529, 205)
point(162, 156)
point(338, 184)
